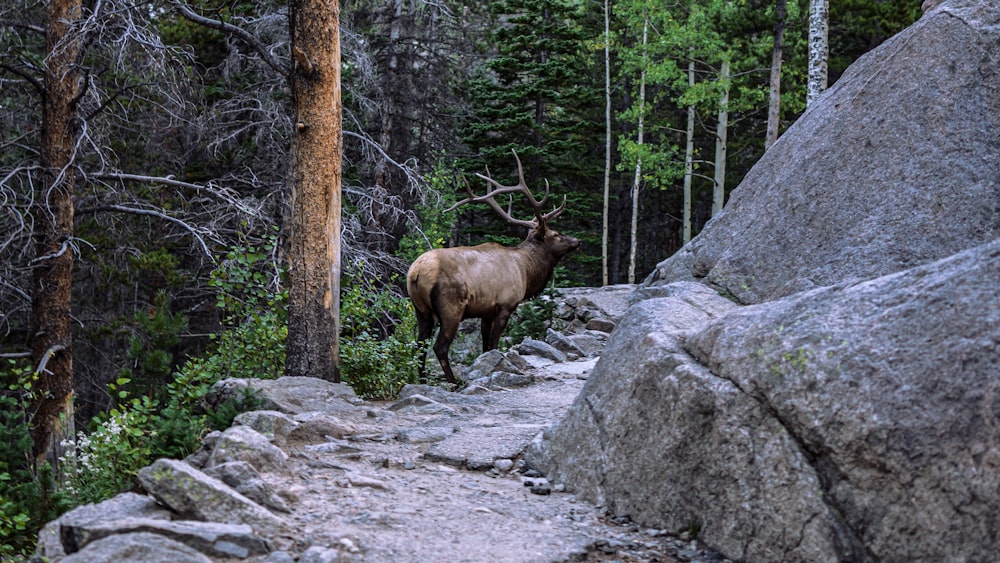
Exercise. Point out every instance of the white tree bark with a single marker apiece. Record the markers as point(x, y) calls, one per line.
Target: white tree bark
point(719, 194)
point(607, 136)
point(774, 105)
point(819, 48)
point(688, 163)
point(638, 161)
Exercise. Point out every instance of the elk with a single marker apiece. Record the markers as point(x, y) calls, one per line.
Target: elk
point(488, 281)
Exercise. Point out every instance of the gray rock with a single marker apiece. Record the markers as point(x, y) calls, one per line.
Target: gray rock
point(196, 496)
point(209, 538)
point(846, 423)
point(424, 434)
point(532, 347)
point(126, 505)
point(865, 183)
point(322, 554)
point(489, 362)
point(503, 465)
point(273, 425)
point(290, 395)
point(242, 443)
point(499, 380)
point(589, 344)
point(420, 405)
point(600, 324)
point(145, 547)
point(316, 426)
point(478, 447)
point(244, 479)
point(199, 458)
point(438, 394)
point(279, 557)
point(563, 343)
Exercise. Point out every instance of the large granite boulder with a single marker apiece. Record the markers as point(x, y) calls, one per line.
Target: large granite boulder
point(894, 166)
point(858, 422)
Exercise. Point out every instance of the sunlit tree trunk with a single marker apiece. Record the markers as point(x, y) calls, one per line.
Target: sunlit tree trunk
point(314, 215)
point(51, 334)
point(819, 48)
point(719, 194)
point(634, 230)
point(688, 163)
point(774, 105)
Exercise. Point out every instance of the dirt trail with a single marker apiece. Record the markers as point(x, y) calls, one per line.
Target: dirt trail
point(415, 481)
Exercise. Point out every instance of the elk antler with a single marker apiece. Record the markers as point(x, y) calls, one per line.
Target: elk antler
point(540, 218)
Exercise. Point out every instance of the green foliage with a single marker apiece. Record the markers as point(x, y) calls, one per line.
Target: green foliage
point(28, 498)
point(435, 226)
point(378, 350)
point(169, 421)
point(104, 462)
point(533, 317)
point(156, 332)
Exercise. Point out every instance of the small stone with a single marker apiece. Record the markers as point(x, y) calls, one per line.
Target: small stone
point(279, 557)
point(542, 489)
point(600, 324)
point(503, 465)
point(424, 435)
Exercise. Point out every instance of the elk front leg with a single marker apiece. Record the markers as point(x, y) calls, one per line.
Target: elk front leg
point(486, 330)
point(496, 330)
point(441, 346)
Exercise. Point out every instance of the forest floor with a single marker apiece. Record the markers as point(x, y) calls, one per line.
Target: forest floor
point(438, 476)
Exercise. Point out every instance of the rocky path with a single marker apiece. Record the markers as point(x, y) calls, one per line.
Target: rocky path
point(318, 475)
point(437, 476)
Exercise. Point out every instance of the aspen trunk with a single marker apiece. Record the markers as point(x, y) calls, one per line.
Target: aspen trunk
point(719, 194)
point(314, 220)
point(819, 48)
point(688, 163)
point(638, 163)
point(774, 105)
point(607, 138)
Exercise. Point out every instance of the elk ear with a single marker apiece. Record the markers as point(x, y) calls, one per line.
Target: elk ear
point(538, 232)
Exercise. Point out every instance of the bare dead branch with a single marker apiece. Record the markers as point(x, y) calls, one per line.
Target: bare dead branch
point(153, 213)
point(236, 31)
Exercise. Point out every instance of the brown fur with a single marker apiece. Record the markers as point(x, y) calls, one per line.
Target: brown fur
point(487, 282)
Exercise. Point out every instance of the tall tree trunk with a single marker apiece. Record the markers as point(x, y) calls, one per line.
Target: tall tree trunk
point(314, 220)
point(819, 15)
point(688, 163)
point(51, 334)
point(634, 230)
point(607, 137)
point(719, 194)
point(774, 105)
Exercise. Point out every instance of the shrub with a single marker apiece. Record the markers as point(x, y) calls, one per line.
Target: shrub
point(103, 463)
point(171, 421)
point(378, 348)
point(533, 317)
point(28, 497)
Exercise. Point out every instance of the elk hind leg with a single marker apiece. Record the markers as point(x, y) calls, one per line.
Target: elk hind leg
point(425, 326)
point(447, 333)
